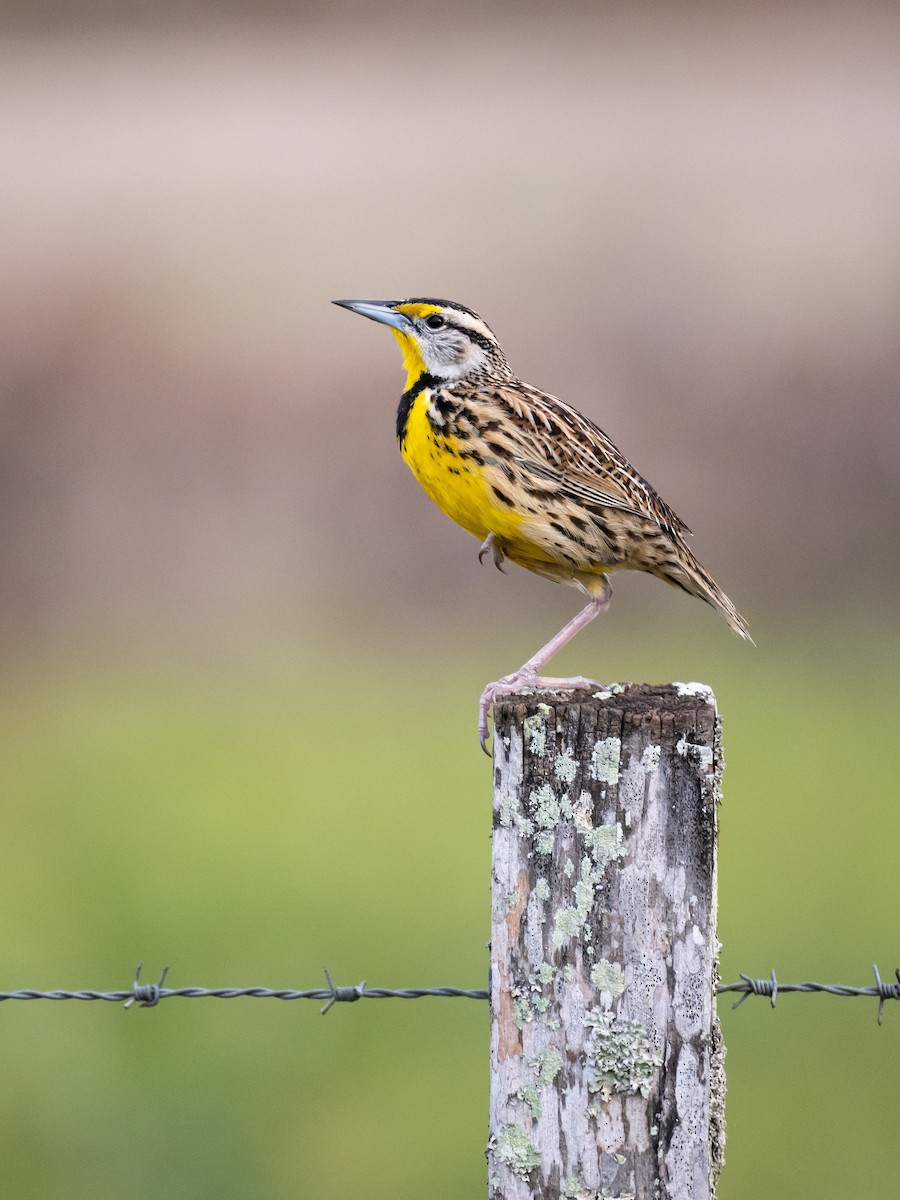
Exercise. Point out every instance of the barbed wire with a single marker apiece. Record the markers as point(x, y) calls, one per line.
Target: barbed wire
point(148, 995)
point(770, 987)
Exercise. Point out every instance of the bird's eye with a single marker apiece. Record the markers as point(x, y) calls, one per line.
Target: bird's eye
point(435, 321)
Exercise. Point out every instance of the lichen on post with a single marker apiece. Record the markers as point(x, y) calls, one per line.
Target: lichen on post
point(606, 1059)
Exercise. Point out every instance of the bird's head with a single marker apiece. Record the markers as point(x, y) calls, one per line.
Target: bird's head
point(444, 339)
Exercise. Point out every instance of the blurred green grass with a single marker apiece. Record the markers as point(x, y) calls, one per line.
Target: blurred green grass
point(249, 823)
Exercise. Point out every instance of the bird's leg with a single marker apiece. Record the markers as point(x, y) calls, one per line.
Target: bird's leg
point(529, 676)
point(491, 546)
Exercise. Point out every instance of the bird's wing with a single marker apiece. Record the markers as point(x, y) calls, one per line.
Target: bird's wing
point(566, 448)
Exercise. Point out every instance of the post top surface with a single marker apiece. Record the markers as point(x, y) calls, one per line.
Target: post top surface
point(636, 697)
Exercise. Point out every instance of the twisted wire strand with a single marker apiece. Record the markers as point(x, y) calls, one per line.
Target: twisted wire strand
point(883, 989)
point(148, 995)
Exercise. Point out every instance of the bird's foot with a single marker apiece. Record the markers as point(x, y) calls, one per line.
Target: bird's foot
point(491, 546)
point(525, 677)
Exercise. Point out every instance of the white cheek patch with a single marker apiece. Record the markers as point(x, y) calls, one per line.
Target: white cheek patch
point(452, 357)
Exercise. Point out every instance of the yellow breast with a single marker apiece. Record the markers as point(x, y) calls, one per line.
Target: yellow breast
point(457, 485)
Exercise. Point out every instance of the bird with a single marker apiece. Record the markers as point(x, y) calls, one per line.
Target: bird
point(535, 481)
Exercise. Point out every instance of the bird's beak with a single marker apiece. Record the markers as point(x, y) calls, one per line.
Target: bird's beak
point(378, 310)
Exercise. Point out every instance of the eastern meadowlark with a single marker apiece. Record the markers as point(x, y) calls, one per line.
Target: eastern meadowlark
point(535, 481)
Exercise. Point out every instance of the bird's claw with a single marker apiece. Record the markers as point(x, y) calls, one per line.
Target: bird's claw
point(508, 684)
point(523, 678)
point(491, 546)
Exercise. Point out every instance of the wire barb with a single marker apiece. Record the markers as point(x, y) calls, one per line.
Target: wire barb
point(148, 995)
point(756, 987)
point(886, 991)
point(347, 994)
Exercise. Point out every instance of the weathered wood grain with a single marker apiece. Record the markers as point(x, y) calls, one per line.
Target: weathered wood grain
point(606, 1058)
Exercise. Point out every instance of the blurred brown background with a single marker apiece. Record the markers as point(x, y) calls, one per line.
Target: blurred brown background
point(684, 221)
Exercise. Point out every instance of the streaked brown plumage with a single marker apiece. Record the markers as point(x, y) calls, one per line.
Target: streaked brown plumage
point(533, 478)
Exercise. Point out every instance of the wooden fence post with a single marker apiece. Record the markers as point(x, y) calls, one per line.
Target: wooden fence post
point(606, 1058)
